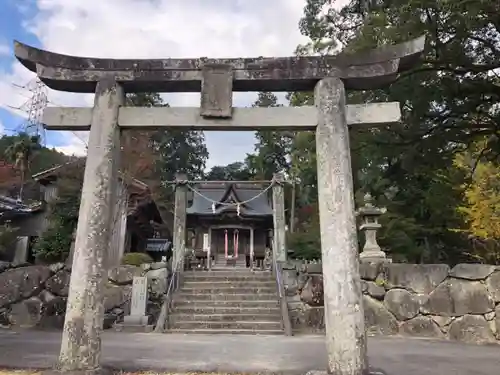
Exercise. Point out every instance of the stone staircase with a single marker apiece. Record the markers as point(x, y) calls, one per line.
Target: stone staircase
point(226, 300)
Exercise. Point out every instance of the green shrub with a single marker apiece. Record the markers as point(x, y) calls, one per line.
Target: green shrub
point(55, 243)
point(136, 259)
point(8, 237)
point(306, 244)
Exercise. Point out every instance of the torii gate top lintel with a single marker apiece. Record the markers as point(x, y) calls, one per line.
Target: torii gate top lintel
point(365, 70)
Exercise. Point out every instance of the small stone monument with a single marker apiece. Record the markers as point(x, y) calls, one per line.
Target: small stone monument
point(369, 215)
point(137, 320)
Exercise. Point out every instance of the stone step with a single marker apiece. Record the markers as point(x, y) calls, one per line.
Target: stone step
point(225, 297)
point(229, 290)
point(255, 325)
point(216, 310)
point(228, 273)
point(229, 283)
point(225, 276)
point(240, 262)
point(188, 303)
point(182, 317)
point(227, 331)
point(239, 266)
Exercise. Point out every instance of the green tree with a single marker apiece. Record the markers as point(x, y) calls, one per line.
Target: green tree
point(156, 156)
point(447, 103)
point(41, 158)
point(8, 239)
point(455, 87)
point(138, 157)
point(272, 147)
point(181, 151)
point(55, 243)
point(21, 153)
point(237, 171)
point(177, 150)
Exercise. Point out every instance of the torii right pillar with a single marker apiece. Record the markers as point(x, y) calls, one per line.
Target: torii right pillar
point(344, 317)
point(344, 314)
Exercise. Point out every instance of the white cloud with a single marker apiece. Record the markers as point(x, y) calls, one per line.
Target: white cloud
point(4, 49)
point(163, 28)
point(76, 144)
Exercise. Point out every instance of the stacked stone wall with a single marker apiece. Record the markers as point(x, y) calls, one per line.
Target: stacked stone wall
point(431, 300)
point(34, 296)
point(428, 300)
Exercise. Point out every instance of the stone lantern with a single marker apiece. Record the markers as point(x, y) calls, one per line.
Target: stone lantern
point(369, 216)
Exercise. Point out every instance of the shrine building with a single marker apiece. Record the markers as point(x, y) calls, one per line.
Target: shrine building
point(230, 223)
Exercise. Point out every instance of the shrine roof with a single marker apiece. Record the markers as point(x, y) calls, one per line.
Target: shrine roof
point(48, 176)
point(10, 207)
point(139, 192)
point(254, 201)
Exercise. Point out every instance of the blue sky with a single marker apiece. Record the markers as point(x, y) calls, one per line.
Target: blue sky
point(14, 14)
point(143, 29)
point(10, 29)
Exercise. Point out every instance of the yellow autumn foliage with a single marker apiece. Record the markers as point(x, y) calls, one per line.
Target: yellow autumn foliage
point(481, 206)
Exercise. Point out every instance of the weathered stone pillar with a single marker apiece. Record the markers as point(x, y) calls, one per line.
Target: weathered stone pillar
point(279, 239)
point(21, 251)
point(179, 240)
point(344, 318)
point(123, 230)
point(81, 339)
point(115, 250)
point(71, 255)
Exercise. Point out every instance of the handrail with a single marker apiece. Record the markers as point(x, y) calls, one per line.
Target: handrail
point(285, 316)
point(173, 284)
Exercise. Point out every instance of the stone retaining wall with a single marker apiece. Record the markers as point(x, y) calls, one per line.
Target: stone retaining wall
point(35, 295)
point(431, 300)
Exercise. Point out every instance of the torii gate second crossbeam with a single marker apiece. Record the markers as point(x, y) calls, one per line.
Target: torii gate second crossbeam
point(217, 79)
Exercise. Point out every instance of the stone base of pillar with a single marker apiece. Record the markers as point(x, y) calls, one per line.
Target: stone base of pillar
point(133, 323)
point(98, 371)
point(373, 256)
point(370, 371)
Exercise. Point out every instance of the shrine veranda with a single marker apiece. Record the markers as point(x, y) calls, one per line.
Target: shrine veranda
point(217, 79)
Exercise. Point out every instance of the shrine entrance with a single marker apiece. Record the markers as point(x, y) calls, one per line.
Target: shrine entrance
point(216, 80)
point(232, 243)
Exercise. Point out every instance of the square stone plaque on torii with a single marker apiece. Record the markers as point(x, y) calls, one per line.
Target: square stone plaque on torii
point(217, 79)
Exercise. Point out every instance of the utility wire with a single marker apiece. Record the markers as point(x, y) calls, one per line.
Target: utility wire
point(35, 105)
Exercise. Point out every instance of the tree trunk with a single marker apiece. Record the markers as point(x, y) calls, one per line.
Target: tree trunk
point(23, 175)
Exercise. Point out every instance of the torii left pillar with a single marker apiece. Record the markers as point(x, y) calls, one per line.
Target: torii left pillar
point(81, 339)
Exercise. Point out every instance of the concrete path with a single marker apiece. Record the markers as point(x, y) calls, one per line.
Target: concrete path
point(164, 352)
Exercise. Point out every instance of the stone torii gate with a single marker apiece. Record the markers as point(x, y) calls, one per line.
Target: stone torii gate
point(217, 79)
